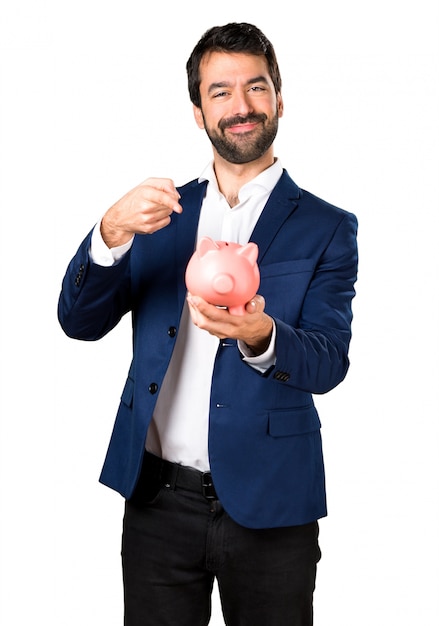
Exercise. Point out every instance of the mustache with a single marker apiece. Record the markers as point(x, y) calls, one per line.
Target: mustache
point(239, 119)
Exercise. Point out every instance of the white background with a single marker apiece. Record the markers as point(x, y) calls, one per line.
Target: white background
point(93, 101)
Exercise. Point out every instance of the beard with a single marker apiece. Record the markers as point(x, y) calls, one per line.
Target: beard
point(243, 147)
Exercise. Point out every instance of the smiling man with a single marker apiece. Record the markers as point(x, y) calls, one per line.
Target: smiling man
point(216, 446)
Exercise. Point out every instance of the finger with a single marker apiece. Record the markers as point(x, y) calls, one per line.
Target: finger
point(168, 195)
point(193, 310)
point(256, 304)
point(164, 199)
point(163, 184)
point(204, 311)
point(195, 301)
point(154, 226)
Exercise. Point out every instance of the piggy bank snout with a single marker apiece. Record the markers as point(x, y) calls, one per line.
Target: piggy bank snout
point(223, 283)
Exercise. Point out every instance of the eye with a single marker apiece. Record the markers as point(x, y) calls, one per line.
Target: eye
point(256, 88)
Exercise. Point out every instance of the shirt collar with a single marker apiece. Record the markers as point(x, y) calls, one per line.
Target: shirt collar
point(265, 181)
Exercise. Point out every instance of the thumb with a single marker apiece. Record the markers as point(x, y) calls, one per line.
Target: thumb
point(256, 304)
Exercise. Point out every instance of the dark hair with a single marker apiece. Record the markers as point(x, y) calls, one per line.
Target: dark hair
point(230, 38)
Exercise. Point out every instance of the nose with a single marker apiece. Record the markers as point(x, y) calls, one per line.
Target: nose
point(241, 104)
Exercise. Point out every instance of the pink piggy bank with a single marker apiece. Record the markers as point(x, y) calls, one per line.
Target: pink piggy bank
point(224, 273)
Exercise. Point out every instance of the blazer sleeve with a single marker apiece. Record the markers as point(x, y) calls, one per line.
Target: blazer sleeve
point(313, 356)
point(93, 298)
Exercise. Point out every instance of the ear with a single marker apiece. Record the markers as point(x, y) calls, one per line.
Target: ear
point(198, 117)
point(205, 245)
point(250, 251)
point(280, 105)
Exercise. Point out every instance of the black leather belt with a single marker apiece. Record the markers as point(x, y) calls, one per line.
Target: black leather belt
point(175, 476)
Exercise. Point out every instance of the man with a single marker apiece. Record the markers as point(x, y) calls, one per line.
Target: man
point(216, 445)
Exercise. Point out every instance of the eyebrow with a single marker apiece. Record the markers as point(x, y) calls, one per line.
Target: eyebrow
point(222, 84)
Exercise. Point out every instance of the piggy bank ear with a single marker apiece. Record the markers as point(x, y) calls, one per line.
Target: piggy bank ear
point(250, 252)
point(205, 244)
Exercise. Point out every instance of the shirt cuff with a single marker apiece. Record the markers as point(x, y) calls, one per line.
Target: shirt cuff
point(263, 361)
point(101, 254)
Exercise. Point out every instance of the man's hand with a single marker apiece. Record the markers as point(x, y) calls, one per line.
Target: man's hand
point(143, 210)
point(254, 328)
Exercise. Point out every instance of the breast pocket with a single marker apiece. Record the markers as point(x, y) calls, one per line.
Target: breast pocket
point(284, 286)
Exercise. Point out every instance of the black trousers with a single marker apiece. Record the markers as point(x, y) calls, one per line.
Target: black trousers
point(176, 542)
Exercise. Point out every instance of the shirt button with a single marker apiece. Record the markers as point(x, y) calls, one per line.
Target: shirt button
point(153, 388)
point(172, 331)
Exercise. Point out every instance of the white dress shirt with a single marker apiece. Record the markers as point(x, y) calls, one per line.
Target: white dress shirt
point(179, 426)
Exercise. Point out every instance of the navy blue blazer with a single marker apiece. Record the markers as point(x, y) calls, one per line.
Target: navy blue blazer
point(264, 431)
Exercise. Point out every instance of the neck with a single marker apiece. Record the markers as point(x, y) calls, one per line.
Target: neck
point(232, 176)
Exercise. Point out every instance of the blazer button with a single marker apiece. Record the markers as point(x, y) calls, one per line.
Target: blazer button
point(153, 388)
point(172, 331)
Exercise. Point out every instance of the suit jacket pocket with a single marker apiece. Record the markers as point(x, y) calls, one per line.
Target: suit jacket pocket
point(295, 421)
point(283, 268)
point(284, 286)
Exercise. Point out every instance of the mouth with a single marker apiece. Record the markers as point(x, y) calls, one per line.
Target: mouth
point(242, 128)
point(241, 125)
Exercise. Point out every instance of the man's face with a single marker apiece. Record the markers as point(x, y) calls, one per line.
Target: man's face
point(239, 106)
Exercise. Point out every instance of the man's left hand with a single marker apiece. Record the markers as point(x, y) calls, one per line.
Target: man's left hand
point(254, 327)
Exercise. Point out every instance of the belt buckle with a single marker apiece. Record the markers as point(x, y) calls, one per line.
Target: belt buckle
point(207, 486)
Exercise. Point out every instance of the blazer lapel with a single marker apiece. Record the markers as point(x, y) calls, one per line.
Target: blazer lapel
point(281, 203)
point(192, 196)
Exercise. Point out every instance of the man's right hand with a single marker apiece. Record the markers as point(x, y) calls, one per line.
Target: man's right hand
point(142, 211)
